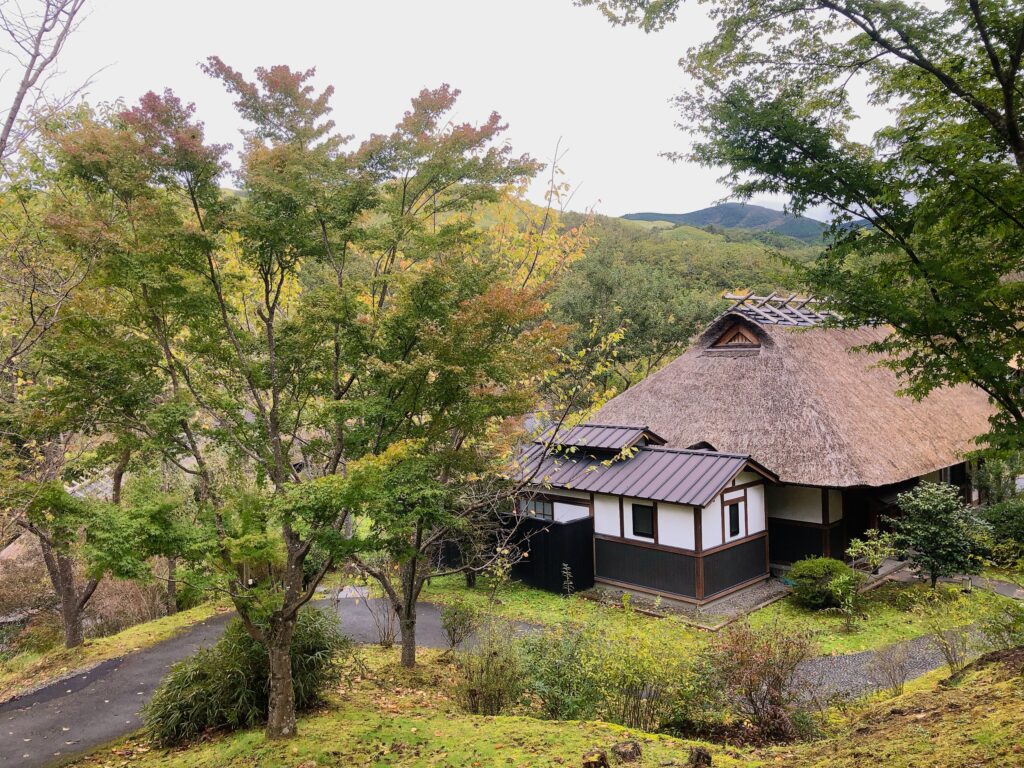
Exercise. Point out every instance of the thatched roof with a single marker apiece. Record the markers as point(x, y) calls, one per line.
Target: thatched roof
point(802, 405)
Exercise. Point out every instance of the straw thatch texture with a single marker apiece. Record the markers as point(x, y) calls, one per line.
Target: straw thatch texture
point(805, 407)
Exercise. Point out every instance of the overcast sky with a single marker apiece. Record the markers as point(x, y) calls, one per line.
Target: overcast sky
point(552, 70)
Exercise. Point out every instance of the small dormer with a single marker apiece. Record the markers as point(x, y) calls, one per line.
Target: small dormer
point(736, 336)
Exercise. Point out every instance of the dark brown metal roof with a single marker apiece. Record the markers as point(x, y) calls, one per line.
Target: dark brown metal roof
point(660, 474)
point(600, 437)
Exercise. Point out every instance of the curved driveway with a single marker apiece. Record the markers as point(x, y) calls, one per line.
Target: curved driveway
point(78, 714)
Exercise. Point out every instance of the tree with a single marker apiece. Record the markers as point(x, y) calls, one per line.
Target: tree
point(929, 213)
point(106, 538)
point(293, 329)
point(940, 532)
point(38, 32)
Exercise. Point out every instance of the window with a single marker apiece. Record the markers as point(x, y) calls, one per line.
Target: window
point(734, 519)
point(643, 520)
point(542, 510)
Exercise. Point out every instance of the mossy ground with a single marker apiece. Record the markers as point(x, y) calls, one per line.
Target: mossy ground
point(30, 669)
point(385, 715)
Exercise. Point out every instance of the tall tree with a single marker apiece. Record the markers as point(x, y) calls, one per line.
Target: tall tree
point(290, 329)
point(928, 233)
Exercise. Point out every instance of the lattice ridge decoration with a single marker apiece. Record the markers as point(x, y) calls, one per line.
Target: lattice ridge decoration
point(775, 309)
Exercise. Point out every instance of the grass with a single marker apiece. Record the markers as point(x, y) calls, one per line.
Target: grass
point(385, 715)
point(29, 669)
point(889, 617)
point(1012, 575)
point(976, 722)
point(389, 716)
point(521, 603)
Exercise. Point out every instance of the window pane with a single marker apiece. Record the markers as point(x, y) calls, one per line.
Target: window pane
point(734, 519)
point(643, 520)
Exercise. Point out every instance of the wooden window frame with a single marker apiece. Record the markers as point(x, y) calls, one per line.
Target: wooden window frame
point(653, 536)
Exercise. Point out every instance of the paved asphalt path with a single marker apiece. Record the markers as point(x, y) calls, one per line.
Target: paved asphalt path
point(78, 714)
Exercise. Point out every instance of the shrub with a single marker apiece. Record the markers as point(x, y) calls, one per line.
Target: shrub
point(561, 664)
point(812, 579)
point(228, 685)
point(120, 603)
point(846, 598)
point(942, 535)
point(458, 621)
point(1005, 629)
point(889, 668)
point(42, 633)
point(490, 672)
point(758, 673)
point(874, 549)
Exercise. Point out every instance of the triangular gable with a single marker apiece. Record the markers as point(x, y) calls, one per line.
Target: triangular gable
point(736, 336)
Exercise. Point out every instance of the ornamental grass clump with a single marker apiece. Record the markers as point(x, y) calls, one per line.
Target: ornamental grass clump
point(228, 686)
point(491, 671)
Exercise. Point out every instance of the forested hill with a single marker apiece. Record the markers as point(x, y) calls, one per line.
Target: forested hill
point(663, 283)
point(753, 218)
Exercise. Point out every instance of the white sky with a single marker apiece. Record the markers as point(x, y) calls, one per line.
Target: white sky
point(552, 70)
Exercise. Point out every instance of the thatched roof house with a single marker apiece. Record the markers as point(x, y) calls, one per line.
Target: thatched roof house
point(789, 393)
point(800, 443)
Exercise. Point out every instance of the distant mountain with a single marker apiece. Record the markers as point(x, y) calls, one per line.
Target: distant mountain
point(754, 218)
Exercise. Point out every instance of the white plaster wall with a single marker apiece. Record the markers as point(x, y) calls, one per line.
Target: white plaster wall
point(745, 477)
point(795, 502)
point(726, 499)
point(755, 509)
point(606, 514)
point(566, 513)
point(675, 525)
point(711, 524)
point(835, 505)
point(627, 518)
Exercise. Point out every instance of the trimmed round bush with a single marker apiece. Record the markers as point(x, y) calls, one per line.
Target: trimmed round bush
point(811, 579)
point(228, 686)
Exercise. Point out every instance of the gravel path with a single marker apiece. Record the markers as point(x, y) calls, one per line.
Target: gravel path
point(849, 675)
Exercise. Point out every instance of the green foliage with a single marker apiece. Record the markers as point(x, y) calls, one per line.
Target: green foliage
point(228, 685)
point(660, 287)
point(1006, 521)
point(1004, 630)
point(846, 600)
point(874, 548)
point(812, 582)
point(563, 664)
point(941, 533)
point(927, 236)
point(459, 619)
point(491, 672)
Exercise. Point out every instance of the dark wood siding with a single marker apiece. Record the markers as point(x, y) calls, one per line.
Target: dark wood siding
point(837, 540)
point(789, 541)
point(549, 545)
point(734, 565)
point(646, 567)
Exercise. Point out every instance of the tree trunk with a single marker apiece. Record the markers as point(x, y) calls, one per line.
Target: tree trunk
point(71, 618)
point(470, 578)
point(281, 712)
point(172, 586)
point(408, 627)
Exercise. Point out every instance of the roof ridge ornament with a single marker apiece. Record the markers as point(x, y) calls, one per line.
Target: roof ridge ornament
point(774, 309)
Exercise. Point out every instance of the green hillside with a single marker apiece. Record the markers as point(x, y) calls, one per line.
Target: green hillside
point(662, 283)
point(754, 218)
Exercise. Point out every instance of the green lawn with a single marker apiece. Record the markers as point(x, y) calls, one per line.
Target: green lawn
point(28, 670)
point(888, 610)
point(889, 618)
point(1014, 576)
point(515, 601)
